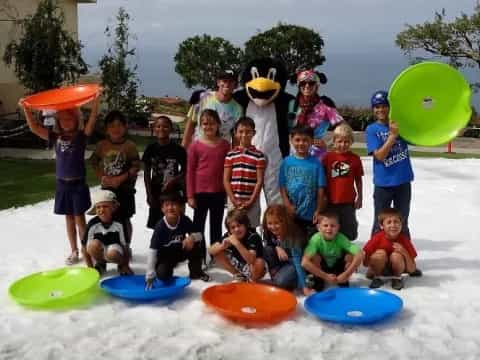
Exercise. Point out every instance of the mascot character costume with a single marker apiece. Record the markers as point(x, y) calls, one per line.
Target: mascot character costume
point(264, 99)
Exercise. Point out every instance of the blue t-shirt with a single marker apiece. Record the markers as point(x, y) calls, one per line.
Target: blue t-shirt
point(302, 178)
point(396, 169)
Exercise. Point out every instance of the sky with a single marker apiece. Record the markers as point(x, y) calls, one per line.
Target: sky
point(358, 34)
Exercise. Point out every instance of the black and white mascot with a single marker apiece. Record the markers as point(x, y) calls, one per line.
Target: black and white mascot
point(264, 99)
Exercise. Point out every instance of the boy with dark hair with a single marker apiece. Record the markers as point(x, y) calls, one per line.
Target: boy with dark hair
point(244, 168)
point(302, 181)
point(174, 241)
point(389, 251)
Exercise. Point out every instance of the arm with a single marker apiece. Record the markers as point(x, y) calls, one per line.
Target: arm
point(188, 133)
point(309, 265)
point(359, 187)
point(381, 153)
point(357, 260)
point(191, 167)
point(227, 175)
point(248, 255)
point(36, 128)
point(258, 187)
point(409, 261)
point(286, 201)
point(90, 125)
point(321, 204)
point(147, 179)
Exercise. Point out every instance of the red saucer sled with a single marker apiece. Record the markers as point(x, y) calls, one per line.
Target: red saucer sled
point(250, 304)
point(62, 98)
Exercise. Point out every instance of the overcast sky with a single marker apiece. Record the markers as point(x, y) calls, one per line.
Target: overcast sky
point(349, 27)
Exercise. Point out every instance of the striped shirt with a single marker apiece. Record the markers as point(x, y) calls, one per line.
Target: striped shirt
point(107, 234)
point(244, 163)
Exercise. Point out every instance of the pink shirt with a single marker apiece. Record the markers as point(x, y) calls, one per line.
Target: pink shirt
point(205, 167)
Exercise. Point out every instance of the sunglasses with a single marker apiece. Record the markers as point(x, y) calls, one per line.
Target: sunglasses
point(305, 83)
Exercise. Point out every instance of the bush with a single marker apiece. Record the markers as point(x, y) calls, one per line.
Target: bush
point(357, 117)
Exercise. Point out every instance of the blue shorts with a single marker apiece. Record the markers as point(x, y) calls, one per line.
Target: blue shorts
point(72, 197)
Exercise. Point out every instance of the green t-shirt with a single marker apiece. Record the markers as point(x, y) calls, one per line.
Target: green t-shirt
point(330, 250)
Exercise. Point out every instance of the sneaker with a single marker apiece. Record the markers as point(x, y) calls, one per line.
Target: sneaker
point(73, 258)
point(310, 281)
point(376, 283)
point(202, 275)
point(239, 278)
point(101, 267)
point(416, 273)
point(397, 283)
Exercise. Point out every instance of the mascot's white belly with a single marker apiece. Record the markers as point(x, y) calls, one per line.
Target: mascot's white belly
point(266, 140)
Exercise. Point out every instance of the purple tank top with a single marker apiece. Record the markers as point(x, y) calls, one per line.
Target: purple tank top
point(70, 155)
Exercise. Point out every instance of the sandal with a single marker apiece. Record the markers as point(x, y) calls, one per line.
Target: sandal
point(73, 258)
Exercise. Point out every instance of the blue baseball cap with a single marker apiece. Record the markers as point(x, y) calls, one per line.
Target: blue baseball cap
point(379, 98)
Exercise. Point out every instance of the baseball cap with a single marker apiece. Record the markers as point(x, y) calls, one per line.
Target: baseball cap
point(101, 196)
point(379, 97)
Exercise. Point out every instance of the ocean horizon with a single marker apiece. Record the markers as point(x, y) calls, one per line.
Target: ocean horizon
point(352, 77)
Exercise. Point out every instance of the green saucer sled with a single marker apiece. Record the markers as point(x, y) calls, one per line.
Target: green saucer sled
point(60, 288)
point(431, 103)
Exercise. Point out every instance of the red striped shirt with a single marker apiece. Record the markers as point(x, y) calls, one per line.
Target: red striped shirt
point(244, 163)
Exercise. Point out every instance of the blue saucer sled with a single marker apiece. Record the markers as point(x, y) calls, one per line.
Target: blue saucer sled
point(353, 305)
point(133, 288)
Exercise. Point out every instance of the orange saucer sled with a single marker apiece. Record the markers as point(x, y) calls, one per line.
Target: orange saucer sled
point(250, 304)
point(62, 98)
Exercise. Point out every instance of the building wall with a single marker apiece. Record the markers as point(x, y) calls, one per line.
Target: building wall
point(10, 10)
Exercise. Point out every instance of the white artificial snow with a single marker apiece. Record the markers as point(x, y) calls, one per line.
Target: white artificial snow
point(440, 319)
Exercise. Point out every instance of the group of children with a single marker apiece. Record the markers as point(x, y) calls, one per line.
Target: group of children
point(307, 241)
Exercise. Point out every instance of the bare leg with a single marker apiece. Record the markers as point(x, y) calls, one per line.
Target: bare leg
point(377, 262)
point(95, 250)
point(81, 225)
point(398, 263)
point(221, 259)
point(71, 232)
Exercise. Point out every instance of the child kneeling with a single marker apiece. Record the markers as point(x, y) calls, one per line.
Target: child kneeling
point(240, 252)
point(389, 252)
point(330, 257)
point(174, 241)
point(105, 239)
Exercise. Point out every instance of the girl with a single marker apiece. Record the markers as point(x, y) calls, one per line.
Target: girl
point(205, 190)
point(240, 252)
point(283, 249)
point(72, 196)
point(310, 109)
point(165, 167)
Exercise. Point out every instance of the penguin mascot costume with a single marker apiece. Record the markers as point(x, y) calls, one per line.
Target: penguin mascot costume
point(264, 99)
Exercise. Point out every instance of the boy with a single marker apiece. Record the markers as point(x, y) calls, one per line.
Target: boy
point(244, 168)
point(389, 251)
point(329, 256)
point(241, 251)
point(104, 239)
point(392, 169)
point(302, 181)
point(116, 163)
point(165, 167)
point(174, 241)
point(344, 172)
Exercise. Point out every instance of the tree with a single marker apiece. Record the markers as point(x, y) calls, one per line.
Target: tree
point(200, 58)
point(46, 56)
point(119, 78)
point(457, 40)
point(295, 45)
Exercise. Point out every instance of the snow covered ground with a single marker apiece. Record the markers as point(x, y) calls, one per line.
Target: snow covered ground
point(440, 320)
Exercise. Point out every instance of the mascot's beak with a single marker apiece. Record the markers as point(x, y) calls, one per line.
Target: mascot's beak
point(262, 91)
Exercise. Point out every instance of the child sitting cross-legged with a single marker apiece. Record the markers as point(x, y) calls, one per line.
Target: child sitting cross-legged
point(105, 239)
point(240, 252)
point(174, 241)
point(329, 256)
point(389, 252)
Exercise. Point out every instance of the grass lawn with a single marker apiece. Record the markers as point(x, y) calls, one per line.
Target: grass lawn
point(30, 181)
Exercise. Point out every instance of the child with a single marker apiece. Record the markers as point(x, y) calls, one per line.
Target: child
point(240, 252)
point(392, 169)
point(329, 256)
point(116, 163)
point(205, 190)
point(244, 168)
point(165, 168)
point(283, 249)
point(104, 239)
point(344, 172)
point(72, 195)
point(302, 181)
point(389, 250)
point(174, 241)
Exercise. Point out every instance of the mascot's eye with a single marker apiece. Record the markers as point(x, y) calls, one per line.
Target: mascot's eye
point(254, 72)
point(272, 72)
